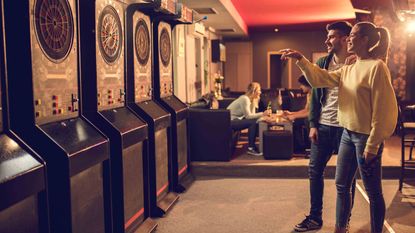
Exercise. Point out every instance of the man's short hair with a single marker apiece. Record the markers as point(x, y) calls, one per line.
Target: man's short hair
point(343, 27)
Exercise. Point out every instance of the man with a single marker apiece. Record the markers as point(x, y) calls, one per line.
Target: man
point(325, 131)
point(303, 113)
point(299, 119)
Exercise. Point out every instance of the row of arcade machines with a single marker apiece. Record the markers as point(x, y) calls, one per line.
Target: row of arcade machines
point(93, 138)
point(23, 195)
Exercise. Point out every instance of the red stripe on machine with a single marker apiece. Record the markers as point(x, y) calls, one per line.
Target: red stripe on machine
point(132, 219)
point(162, 189)
point(183, 169)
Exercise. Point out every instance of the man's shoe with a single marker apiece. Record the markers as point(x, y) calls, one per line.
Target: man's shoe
point(253, 151)
point(308, 224)
point(348, 227)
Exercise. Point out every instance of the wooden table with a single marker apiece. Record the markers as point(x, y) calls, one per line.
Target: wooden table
point(265, 123)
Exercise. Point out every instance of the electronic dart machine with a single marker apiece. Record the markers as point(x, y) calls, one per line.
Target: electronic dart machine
point(103, 89)
point(42, 68)
point(163, 79)
point(23, 204)
point(140, 98)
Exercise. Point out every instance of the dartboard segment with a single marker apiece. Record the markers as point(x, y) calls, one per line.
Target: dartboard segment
point(142, 42)
point(110, 34)
point(54, 28)
point(165, 47)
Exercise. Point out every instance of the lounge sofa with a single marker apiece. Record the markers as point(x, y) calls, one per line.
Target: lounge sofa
point(211, 135)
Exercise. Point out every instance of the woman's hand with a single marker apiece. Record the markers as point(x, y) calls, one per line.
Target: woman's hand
point(267, 112)
point(369, 157)
point(290, 53)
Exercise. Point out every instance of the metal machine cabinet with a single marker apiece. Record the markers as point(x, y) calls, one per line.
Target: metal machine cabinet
point(103, 88)
point(141, 99)
point(23, 205)
point(42, 68)
point(23, 202)
point(163, 26)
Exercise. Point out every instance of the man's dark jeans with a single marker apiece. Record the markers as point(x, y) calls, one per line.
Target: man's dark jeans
point(328, 143)
point(249, 124)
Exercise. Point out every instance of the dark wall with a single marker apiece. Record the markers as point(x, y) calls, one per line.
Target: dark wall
point(307, 42)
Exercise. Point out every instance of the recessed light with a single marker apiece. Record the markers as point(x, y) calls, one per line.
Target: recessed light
point(276, 30)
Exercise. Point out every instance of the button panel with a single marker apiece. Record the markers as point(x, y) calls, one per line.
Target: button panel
point(56, 105)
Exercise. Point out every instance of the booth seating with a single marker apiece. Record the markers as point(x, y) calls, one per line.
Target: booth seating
point(225, 102)
point(292, 99)
point(211, 135)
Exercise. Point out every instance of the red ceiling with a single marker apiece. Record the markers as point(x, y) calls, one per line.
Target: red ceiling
point(282, 13)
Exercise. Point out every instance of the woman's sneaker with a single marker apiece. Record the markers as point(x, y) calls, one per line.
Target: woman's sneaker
point(308, 224)
point(254, 151)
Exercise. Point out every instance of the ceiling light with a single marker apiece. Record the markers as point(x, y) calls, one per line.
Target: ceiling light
point(361, 11)
point(410, 27)
point(276, 30)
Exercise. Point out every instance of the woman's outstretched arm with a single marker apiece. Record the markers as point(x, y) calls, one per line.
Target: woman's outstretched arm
point(316, 76)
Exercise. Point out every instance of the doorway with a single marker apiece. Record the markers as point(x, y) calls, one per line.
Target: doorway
point(279, 72)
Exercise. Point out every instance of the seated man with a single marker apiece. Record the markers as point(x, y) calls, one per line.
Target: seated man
point(300, 119)
point(303, 113)
point(243, 114)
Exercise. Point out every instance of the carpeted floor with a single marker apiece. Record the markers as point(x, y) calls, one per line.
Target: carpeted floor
point(391, 153)
point(265, 201)
point(244, 165)
point(226, 205)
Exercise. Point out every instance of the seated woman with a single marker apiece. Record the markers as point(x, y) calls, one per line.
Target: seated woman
point(303, 113)
point(243, 114)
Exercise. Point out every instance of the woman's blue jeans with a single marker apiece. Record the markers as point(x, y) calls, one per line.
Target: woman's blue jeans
point(350, 157)
point(252, 126)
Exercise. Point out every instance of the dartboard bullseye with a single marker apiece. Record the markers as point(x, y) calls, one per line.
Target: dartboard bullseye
point(165, 47)
point(142, 42)
point(110, 34)
point(54, 28)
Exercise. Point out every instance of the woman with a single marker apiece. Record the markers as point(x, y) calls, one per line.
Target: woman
point(243, 114)
point(367, 111)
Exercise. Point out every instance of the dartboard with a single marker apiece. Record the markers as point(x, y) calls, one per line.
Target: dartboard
point(110, 34)
point(142, 42)
point(54, 28)
point(165, 47)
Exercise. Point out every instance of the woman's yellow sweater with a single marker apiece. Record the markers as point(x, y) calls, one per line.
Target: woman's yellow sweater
point(367, 101)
